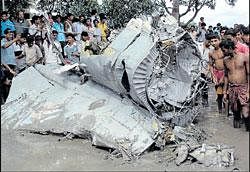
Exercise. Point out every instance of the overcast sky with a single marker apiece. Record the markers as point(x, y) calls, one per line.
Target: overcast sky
point(226, 14)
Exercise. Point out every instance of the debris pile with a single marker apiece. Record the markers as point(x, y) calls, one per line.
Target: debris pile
point(144, 88)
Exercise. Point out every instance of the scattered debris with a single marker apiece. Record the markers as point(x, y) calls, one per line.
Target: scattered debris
point(144, 90)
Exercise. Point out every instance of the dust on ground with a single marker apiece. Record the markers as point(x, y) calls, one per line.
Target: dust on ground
point(22, 151)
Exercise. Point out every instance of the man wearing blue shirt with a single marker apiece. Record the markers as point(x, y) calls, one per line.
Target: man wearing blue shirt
point(8, 59)
point(6, 23)
point(59, 27)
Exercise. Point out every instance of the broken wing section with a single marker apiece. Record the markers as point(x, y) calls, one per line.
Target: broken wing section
point(45, 105)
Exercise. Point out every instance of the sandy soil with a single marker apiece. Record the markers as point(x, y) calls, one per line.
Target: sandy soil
point(21, 151)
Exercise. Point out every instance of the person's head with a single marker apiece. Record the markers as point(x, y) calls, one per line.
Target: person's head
point(70, 16)
point(4, 15)
point(207, 43)
point(203, 25)
point(36, 20)
point(236, 25)
point(81, 18)
point(94, 12)
point(88, 22)
point(218, 25)
point(49, 15)
point(202, 19)
point(222, 31)
point(20, 15)
point(215, 40)
point(103, 18)
point(245, 35)
point(58, 18)
point(26, 15)
point(228, 47)
point(210, 27)
point(192, 28)
point(229, 34)
point(54, 34)
point(95, 22)
point(38, 39)
point(8, 34)
point(238, 34)
point(75, 20)
point(30, 40)
point(23, 38)
point(162, 12)
point(85, 36)
point(70, 38)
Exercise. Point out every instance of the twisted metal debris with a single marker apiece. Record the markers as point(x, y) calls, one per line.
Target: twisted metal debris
point(145, 83)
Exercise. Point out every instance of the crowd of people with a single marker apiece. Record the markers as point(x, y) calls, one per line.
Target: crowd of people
point(227, 52)
point(25, 42)
point(46, 40)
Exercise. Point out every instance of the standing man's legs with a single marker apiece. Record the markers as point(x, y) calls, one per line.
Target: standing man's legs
point(245, 113)
point(219, 93)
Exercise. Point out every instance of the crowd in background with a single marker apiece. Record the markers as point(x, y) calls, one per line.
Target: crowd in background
point(42, 39)
point(226, 51)
point(25, 42)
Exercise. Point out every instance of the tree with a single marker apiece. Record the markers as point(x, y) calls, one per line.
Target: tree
point(12, 6)
point(121, 11)
point(62, 7)
point(191, 6)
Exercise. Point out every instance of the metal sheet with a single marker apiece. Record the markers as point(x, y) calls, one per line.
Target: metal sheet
point(45, 105)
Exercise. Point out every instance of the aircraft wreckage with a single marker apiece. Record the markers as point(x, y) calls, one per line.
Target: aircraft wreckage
point(143, 84)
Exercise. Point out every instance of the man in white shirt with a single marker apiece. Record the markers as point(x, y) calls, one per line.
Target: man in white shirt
point(52, 49)
point(35, 28)
point(77, 27)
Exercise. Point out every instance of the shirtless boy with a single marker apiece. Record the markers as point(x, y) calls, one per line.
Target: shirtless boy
point(216, 68)
point(236, 81)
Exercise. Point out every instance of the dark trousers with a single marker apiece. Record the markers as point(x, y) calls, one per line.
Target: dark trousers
point(204, 91)
point(4, 88)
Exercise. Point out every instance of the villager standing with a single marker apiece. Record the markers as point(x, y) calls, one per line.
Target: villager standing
point(72, 54)
point(236, 82)
point(32, 52)
point(217, 68)
point(8, 60)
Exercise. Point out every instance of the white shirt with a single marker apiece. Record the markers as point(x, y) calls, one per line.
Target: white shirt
point(90, 31)
point(33, 30)
point(98, 34)
point(51, 54)
point(69, 28)
point(78, 28)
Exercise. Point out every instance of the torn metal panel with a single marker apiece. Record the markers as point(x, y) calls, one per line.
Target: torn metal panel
point(214, 155)
point(128, 71)
point(46, 106)
point(138, 60)
point(175, 73)
point(102, 68)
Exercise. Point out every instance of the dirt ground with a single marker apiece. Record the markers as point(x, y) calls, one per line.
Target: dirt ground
point(21, 151)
